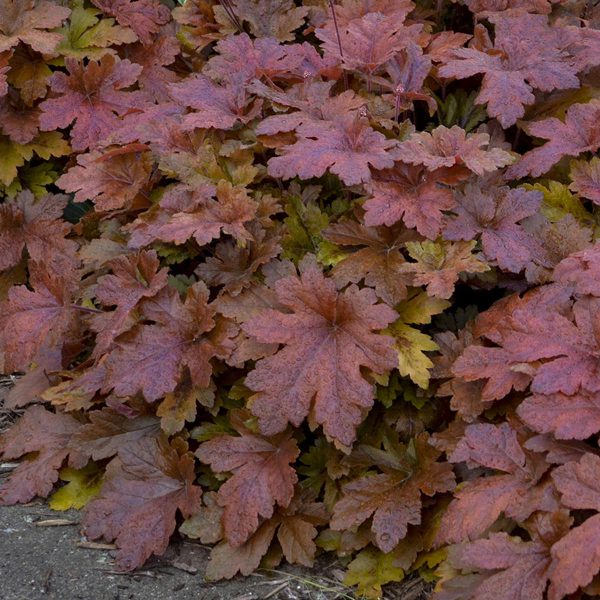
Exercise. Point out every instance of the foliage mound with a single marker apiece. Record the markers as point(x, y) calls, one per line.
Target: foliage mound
point(293, 277)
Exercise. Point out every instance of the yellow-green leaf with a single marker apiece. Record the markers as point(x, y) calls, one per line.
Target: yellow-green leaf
point(12, 156)
point(411, 345)
point(87, 36)
point(370, 570)
point(419, 308)
point(48, 144)
point(82, 485)
point(559, 202)
point(428, 561)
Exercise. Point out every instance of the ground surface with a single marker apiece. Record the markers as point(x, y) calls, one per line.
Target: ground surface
point(44, 557)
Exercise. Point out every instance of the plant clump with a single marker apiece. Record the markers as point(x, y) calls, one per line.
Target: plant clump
point(304, 277)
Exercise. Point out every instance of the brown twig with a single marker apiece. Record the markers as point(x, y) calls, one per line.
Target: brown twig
point(339, 40)
point(228, 8)
point(86, 309)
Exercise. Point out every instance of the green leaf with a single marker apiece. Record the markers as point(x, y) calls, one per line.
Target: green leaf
point(38, 177)
point(459, 108)
point(389, 390)
point(75, 211)
point(172, 254)
point(207, 431)
point(305, 223)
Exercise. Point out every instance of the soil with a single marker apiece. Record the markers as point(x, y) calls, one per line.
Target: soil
point(43, 556)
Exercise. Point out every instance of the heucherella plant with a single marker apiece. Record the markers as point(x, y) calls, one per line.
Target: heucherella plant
point(293, 278)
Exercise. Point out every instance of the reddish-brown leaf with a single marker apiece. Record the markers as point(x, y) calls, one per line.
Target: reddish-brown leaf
point(578, 483)
point(240, 58)
point(158, 125)
point(313, 102)
point(485, 8)
point(517, 493)
point(133, 278)
point(442, 44)
point(29, 74)
point(186, 212)
point(112, 179)
point(27, 21)
point(567, 345)
point(558, 452)
point(155, 77)
point(17, 120)
point(76, 392)
point(347, 146)
point(29, 388)
point(4, 69)
point(369, 41)
point(585, 177)
point(582, 271)
point(347, 12)
point(144, 17)
point(528, 328)
point(150, 358)
point(577, 134)
point(567, 417)
point(242, 308)
point(43, 438)
point(38, 226)
point(234, 267)
point(414, 195)
point(512, 569)
point(466, 396)
point(527, 55)
point(262, 478)
point(438, 265)
point(217, 106)
point(266, 18)
point(143, 489)
point(227, 561)
point(327, 336)
point(108, 432)
point(393, 498)
point(93, 97)
point(206, 524)
point(296, 530)
point(445, 147)
point(37, 320)
point(559, 240)
point(576, 559)
point(408, 70)
point(494, 213)
point(378, 260)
